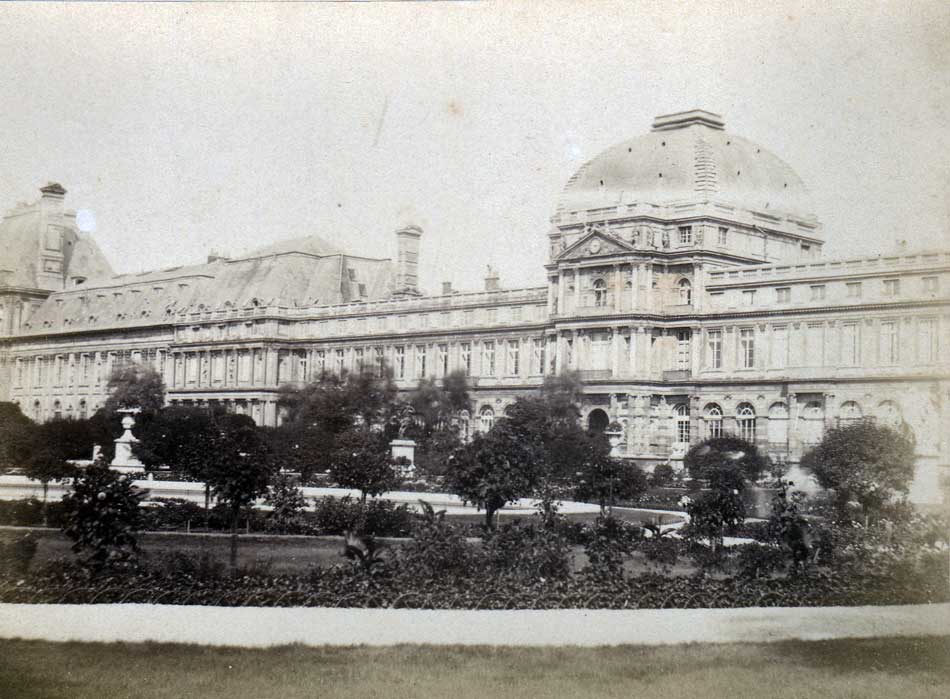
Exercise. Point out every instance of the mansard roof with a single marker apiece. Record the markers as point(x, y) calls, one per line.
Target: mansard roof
point(288, 274)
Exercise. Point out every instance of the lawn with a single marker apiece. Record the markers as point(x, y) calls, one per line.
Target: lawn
point(905, 668)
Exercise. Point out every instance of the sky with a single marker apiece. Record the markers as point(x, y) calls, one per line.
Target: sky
point(181, 128)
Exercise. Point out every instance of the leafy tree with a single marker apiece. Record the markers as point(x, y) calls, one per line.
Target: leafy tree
point(438, 549)
point(15, 435)
point(185, 439)
point(239, 469)
point(663, 475)
point(604, 479)
point(726, 463)
point(135, 386)
point(287, 503)
point(433, 425)
point(362, 460)
point(47, 464)
point(864, 463)
point(103, 516)
point(496, 468)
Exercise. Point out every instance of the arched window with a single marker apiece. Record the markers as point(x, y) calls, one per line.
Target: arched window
point(37, 411)
point(486, 419)
point(713, 421)
point(600, 292)
point(57, 410)
point(850, 413)
point(889, 414)
point(597, 420)
point(778, 424)
point(745, 421)
point(681, 411)
point(686, 292)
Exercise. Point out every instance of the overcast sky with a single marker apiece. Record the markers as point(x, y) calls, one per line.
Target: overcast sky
point(189, 127)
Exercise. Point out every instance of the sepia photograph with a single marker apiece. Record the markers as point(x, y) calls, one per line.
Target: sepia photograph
point(459, 348)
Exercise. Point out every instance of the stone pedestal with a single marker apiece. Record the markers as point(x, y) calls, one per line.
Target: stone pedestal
point(405, 448)
point(125, 461)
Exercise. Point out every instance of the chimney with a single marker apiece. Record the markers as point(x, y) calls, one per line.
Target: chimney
point(446, 288)
point(52, 198)
point(492, 280)
point(407, 263)
point(214, 256)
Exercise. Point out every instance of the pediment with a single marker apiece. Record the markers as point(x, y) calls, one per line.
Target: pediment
point(597, 243)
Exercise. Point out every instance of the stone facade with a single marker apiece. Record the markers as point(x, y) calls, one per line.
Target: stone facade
point(685, 284)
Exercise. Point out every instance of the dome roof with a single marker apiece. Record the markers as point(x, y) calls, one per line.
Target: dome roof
point(688, 158)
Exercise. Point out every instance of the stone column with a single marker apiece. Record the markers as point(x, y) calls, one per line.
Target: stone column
point(577, 289)
point(695, 347)
point(560, 292)
point(615, 352)
point(560, 345)
point(699, 286)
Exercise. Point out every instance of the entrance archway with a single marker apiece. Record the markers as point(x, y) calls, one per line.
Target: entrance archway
point(597, 420)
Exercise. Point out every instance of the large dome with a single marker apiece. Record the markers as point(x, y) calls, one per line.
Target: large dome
point(689, 158)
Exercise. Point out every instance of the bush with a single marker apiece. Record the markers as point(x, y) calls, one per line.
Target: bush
point(171, 513)
point(610, 542)
point(757, 560)
point(336, 516)
point(16, 555)
point(438, 550)
point(288, 505)
point(663, 475)
point(527, 551)
point(29, 513)
point(661, 550)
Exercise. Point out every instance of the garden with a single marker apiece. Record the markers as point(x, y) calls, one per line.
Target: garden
point(256, 540)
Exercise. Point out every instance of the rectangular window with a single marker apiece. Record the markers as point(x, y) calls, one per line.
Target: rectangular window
point(358, 358)
point(443, 368)
point(780, 347)
point(817, 292)
point(892, 287)
point(492, 316)
point(537, 356)
point(723, 235)
point(465, 357)
point(340, 361)
point(515, 314)
point(854, 290)
point(423, 320)
point(890, 350)
point(927, 340)
point(783, 295)
point(931, 285)
point(686, 235)
point(468, 318)
point(715, 349)
point(747, 348)
point(488, 358)
point(400, 362)
point(849, 344)
point(19, 372)
point(814, 345)
point(379, 360)
point(514, 349)
point(321, 362)
point(420, 361)
point(683, 349)
point(748, 297)
point(403, 322)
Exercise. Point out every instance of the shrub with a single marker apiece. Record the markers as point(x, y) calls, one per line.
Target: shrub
point(16, 555)
point(757, 560)
point(661, 550)
point(103, 517)
point(171, 513)
point(610, 542)
point(528, 551)
point(336, 516)
point(29, 513)
point(663, 475)
point(438, 549)
point(288, 505)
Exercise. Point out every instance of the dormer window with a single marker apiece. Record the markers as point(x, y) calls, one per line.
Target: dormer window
point(723, 235)
point(892, 287)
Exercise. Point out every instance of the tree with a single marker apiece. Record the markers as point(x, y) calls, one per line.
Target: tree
point(496, 468)
point(239, 469)
point(433, 425)
point(183, 438)
point(863, 463)
point(46, 464)
point(15, 435)
point(362, 460)
point(135, 386)
point(103, 516)
point(604, 479)
point(287, 505)
point(726, 463)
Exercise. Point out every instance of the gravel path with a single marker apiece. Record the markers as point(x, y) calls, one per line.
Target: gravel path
point(262, 627)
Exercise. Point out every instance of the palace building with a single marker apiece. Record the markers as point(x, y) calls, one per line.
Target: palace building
point(685, 282)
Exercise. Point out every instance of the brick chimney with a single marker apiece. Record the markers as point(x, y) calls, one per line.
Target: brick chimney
point(446, 288)
point(407, 262)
